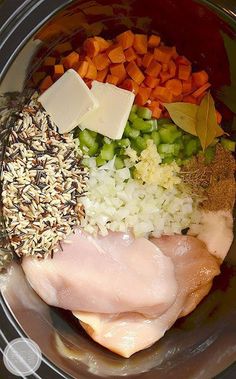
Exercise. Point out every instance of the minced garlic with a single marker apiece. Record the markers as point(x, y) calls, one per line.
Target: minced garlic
point(149, 169)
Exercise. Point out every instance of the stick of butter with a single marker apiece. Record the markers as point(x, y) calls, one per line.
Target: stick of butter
point(68, 101)
point(110, 118)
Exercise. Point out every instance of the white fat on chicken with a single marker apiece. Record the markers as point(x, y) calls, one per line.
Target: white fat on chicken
point(111, 274)
point(216, 230)
point(127, 333)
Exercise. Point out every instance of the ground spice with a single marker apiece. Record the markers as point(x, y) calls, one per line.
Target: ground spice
point(215, 182)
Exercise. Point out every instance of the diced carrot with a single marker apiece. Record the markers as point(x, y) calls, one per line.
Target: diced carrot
point(70, 60)
point(135, 73)
point(200, 78)
point(38, 76)
point(187, 85)
point(184, 72)
point(112, 79)
point(200, 90)
point(143, 95)
point(153, 69)
point(147, 59)
point(101, 76)
point(101, 61)
point(119, 71)
point(116, 54)
point(164, 54)
point(91, 72)
point(151, 82)
point(130, 54)
point(162, 94)
point(200, 97)
point(126, 39)
point(83, 69)
point(103, 44)
point(172, 68)
point(63, 47)
point(130, 85)
point(180, 59)
point(189, 99)
point(174, 86)
point(139, 61)
point(49, 61)
point(140, 43)
point(178, 98)
point(165, 76)
point(165, 67)
point(46, 83)
point(155, 108)
point(58, 71)
point(91, 47)
point(154, 41)
point(218, 117)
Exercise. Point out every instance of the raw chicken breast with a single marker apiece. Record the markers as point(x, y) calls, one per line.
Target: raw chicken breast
point(109, 274)
point(216, 230)
point(128, 333)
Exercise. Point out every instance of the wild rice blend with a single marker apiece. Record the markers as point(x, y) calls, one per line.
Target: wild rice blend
point(42, 182)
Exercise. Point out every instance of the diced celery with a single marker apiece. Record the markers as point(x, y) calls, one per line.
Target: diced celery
point(107, 151)
point(130, 132)
point(144, 113)
point(85, 162)
point(144, 126)
point(169, 134)
point(166, 148)
point(139, 144)
point(179, 141)
point(155, 136)
point(163, 121)
point(154, 124)
point(228, 144)
point(209, 154)
point(132, 117)
point(134, 108)
point(168, 160)
point(100, 161)
point(93, 134)
point(119, 163)
point(93, 149)
point(191, 148)
point(124, 142)
point(86, 138)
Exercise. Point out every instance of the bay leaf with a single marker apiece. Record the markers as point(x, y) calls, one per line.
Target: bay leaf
point(206, 123)
point(184, 115)
point(219, 131)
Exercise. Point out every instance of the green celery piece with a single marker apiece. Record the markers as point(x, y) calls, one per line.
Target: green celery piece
point(124, 142)
point(134, 108)
point(143, 126)
point(228, 144)
point(93, 149)
point(209, 154)
point(155, 136)
point(168, 159)
point(100, 161)
point(144, 113)
point(119, 163)
point(139, 144)
point(130, 132)
point(166, 148)
point(169, 134)
point(163, 121)
point(132, 117)
point(191, 148)
point(108, 151)
point(86, 138)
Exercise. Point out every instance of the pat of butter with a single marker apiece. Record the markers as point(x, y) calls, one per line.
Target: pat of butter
point(68, 101)
point(110, 118)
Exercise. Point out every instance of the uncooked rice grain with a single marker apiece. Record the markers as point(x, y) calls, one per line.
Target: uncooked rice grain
point(42, 183)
